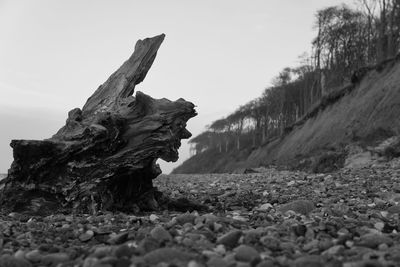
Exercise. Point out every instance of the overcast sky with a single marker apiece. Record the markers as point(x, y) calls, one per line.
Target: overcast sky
point(218, 54)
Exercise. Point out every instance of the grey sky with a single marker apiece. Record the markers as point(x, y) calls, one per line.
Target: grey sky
point(218, 54)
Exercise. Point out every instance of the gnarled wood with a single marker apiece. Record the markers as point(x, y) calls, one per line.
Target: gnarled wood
point(105, 155)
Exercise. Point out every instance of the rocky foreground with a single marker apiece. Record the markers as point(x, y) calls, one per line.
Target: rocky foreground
point(269, 218)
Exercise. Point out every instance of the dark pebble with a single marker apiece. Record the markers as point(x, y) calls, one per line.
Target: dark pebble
point(119, 238)
point(230, 239)
point(124, 251)
point(167, 255)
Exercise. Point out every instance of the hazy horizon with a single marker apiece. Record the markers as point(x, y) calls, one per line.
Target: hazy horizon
point(217, 54)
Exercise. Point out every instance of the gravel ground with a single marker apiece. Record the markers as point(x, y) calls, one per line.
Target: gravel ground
point(270, 218)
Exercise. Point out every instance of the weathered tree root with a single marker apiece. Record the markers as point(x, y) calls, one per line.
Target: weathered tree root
point(104, 158)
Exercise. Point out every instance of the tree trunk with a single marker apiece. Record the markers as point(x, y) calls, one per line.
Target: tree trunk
point(382, 37)
point(104, 158)
point(393, 32)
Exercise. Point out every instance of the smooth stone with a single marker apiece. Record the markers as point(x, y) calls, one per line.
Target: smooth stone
point(230, 239)
point(252, 236)
point(364, 263)
point(210, 254)
point(137, 261)
point(394, 209)
point(99, 264)
point(383, 247)
point(271, 243)
point(217, 262)
point(325, 244)
point(289, 247)
point(220, 249)
point(239, 218)
point(90, 262)
point(34, 256)
point(11, 261)
point(210, 218)
point(118, 238)
point(160, 234)
point(309, 261)
point(193, 263)
point(265, 207)
point(168, 255)
point(185, 218)
point(266, 263)
point(100, 252)
point(148, 244)
point(230, 257)
point(55, 258)
point(394, 252)
point(86, 236)
point(243, 264)
point(300, 229)
point(19, 254)
point(124, 262)
point(374, 240)
point(109, 260)
point(247, 254)
point(216, 227)
point(333, 250)
point(299, 206)
point(48, 248)
point(153, 218)
point(124, 251)
point(313, 244)
point(379, 226)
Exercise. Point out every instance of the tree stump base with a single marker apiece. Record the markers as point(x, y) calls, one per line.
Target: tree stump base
point(104, 158)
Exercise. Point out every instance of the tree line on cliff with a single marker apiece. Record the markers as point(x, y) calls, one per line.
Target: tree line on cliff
point(346, 40)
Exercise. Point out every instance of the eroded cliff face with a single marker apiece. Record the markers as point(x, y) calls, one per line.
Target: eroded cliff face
point(365, 116)
point(363, 113)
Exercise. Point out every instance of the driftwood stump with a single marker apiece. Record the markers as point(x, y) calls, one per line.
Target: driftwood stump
point(104, 158)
